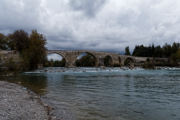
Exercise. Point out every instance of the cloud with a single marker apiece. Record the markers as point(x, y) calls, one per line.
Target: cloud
point(94, 24)
point(88, 7)
point(19, 14)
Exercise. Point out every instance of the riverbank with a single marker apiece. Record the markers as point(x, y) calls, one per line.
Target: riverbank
point(17, 103)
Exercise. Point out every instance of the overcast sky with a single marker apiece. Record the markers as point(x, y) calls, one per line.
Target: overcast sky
point(94, 24)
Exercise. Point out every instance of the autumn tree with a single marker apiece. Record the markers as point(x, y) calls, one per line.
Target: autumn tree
point(36, 52)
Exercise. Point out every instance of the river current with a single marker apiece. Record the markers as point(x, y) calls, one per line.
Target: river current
point(107, 94)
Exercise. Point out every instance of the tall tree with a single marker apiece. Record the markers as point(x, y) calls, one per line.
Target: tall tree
point(127, 52)
point(19, 40)
point(36, 52)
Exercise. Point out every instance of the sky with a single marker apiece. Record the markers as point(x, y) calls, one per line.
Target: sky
point(104, 25)
point(54, 57)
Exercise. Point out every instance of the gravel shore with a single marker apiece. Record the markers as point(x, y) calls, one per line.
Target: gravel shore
point(16, 103)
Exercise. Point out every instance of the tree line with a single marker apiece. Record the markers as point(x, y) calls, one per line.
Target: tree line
point(31, 47)
point(166, 51)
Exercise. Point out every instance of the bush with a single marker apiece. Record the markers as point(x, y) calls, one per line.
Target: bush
point(149, 64)
point(12, 66)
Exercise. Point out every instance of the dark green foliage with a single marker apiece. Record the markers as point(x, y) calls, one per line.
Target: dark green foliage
point(127, 52)
point(176, 56)
point(108, 61)
point(166, 51)
point(61, 63)
point(158, 51)
point(143, 51)
point(86, 61)
point(3, 42)
point(19, 40)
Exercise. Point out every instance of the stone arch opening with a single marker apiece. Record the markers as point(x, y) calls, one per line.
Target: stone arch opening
point(129, 62)
point(108, 61)
point(55, 60)
point(86, 59)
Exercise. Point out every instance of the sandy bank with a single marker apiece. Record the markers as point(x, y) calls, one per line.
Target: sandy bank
point(17, 103)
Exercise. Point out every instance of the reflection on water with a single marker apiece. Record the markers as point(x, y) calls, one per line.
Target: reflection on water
point(36, 83)
point(108, 94)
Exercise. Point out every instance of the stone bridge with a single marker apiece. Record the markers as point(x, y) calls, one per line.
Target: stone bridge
point(71, 57)
point(117, 59)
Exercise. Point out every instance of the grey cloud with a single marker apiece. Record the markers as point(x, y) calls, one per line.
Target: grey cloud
point(94, 24)
point(89, 7)
point(19, 14)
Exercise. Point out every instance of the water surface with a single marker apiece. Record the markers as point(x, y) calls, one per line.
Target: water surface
point(107, 94)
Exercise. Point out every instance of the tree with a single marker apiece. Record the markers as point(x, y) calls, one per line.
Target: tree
point(3, 42)
point(35, 54)
point(19, 40)
point(167, 50)
point(156, 51)
point(127, 52)
point(176, 56)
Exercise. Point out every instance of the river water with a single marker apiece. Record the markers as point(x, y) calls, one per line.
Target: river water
point(107, 94)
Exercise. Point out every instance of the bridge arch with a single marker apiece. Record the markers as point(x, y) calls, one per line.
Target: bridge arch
point(64, 59)
point(108, 61)
point(114, 59)
point(85, 59)
point(129, 62)
point(55, 52)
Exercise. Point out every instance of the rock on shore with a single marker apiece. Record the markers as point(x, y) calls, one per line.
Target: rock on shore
point(17, 104)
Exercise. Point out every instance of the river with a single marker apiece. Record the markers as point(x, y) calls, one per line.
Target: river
point(107, 94)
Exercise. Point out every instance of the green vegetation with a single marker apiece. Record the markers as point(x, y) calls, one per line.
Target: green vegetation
point(166, 51)
point(86, 61)
point(149, 64)
point(35, 53)
point(156, 51)
point(30, 47)
point(19, 40)
point(127, 52)
point(3, 42)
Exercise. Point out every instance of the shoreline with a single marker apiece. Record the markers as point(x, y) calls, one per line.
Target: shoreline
point(17, 102)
